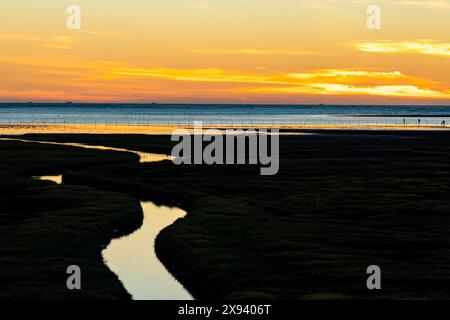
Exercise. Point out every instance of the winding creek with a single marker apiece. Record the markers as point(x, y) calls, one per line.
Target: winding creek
point(133, 257)
point(144, 157)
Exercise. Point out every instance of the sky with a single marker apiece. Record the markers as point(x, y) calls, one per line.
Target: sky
point(226, 51)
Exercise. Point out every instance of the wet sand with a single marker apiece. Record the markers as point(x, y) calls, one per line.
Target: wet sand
point(18, 129)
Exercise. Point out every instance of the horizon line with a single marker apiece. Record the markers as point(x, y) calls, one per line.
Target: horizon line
point(68, 103)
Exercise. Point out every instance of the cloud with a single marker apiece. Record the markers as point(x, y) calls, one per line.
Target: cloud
point(429, 4)
point(339, 89)
point(55, 42)
point(319, 82)
point(338, 73)
point(195, 75)
point(359, 82)
point(106, 78)
point(426, 47)
point(256, 52)
point(100, 34)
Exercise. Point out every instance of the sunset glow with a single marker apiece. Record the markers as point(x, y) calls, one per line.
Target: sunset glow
point(292, 51)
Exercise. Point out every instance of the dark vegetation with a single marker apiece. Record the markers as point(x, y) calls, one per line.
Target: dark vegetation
point(45, 227)
point(340, 203)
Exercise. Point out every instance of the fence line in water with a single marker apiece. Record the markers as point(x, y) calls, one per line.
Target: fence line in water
point(136, 120)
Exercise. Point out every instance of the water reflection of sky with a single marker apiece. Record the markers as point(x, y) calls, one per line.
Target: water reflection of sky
point(134, 260)
point(218, 114)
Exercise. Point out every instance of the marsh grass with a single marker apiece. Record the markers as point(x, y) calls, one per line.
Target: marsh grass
point(45, 227)
point(340, 203)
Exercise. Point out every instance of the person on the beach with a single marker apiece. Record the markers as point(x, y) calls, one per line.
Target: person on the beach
point(418, 122)
point(404, 122)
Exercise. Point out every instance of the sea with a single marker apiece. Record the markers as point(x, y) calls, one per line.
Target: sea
point(142, 114)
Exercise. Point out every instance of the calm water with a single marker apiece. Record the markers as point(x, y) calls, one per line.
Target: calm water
point(143, 156)
point(134, 260)
point(133, 257)
point(15, 113)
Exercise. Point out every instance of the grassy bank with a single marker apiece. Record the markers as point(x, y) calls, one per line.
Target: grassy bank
point(45, 227)
point(340, 203)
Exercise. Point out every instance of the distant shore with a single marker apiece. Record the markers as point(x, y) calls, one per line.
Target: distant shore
point(158, 129)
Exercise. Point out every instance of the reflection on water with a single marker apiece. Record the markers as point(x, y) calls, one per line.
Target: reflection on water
point(134, 260)
point(143, 156)
point(133, 257)
point(55, 179)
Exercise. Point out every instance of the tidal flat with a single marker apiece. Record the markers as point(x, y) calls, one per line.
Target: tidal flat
point(341, 201)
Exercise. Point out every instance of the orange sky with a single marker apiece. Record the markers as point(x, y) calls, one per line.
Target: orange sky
point(233, 51)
